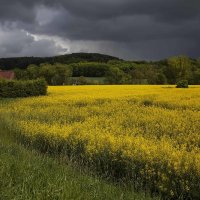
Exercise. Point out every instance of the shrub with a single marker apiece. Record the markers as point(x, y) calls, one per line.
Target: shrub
point(182, 84)
point(13, 89)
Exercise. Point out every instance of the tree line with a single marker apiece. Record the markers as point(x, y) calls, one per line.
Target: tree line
point(116, 71)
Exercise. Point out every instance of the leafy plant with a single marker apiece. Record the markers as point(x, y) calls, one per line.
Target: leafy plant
point(182, 84)
point(13, 89)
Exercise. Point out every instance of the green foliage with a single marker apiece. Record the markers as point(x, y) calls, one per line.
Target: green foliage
point(161, 79)
point(47, 71)
point(82, 81)
point(182, 84)
point(195, 78)
point(179, 67)
point(21, 74)
point(13, 89)
point(90, 69)
point(54, 74)
point(23, 62)
point(32, 71)
point(57, 74)
point(61, 70)
point(117, 76)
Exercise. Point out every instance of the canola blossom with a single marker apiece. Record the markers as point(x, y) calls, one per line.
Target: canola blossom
point(149, 135)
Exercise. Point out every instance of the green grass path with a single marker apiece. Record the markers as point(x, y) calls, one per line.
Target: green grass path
point(26, 174)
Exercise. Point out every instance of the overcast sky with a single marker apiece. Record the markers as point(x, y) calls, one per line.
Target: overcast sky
point(129, 29)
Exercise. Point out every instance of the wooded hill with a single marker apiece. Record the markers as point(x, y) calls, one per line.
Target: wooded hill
point(23, 62)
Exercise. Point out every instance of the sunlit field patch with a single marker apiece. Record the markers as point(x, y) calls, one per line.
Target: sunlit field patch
point(147, 135)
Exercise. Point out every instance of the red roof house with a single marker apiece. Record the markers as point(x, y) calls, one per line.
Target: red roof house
point(7, 75)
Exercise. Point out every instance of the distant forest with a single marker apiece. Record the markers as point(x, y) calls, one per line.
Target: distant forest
point(93, 68)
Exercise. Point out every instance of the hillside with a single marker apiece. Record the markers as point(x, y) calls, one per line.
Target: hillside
point(23, 62)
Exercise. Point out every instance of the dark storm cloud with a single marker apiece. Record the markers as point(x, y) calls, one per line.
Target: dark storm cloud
point(159, 9)
point(13, 10)
point(150, 29)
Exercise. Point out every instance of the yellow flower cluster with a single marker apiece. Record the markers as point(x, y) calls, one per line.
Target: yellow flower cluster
point(149, 134)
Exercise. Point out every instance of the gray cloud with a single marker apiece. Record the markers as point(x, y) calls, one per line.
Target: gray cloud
point(133, 29)
point(17, 43)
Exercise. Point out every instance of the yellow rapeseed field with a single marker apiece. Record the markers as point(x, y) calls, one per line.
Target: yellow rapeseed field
point(149, 135)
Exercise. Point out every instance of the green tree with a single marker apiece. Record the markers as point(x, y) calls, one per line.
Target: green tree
point(62, 74)
point(136, 76)
point(82, 81)
point(47, 71)
point(33, 71)
point(179, 68)
point(117, 76)
point(161, 79)
point(196, 76)
point(20, 74)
